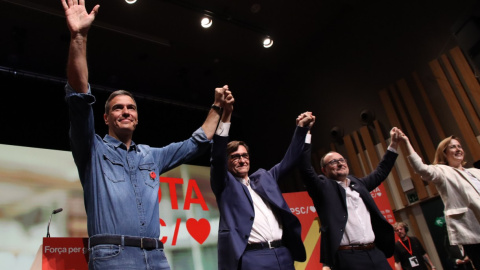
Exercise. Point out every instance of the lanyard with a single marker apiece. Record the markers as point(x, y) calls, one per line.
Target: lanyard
point(409, 245)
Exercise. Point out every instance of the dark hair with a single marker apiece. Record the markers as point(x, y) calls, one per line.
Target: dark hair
point(115, 94)
point(233, 146)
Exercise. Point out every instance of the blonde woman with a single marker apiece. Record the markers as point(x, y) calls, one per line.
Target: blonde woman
point(459, 189)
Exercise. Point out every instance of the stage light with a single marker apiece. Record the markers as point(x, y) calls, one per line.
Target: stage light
point(130, 1)
point(206, 22)
point(267, 42)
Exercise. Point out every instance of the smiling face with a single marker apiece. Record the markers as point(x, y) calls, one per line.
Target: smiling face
point(122, 117)
point(239, 162)
point(454, 153)
point(335, 166)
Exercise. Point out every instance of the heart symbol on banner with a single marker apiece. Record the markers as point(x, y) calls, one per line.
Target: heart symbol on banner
point(379, 194)
point(312, 208)
point(199, 230)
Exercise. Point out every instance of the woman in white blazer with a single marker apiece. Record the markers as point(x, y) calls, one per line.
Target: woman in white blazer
point(459, 189)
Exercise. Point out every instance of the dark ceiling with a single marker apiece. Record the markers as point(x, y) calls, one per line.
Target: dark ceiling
point(329, 56)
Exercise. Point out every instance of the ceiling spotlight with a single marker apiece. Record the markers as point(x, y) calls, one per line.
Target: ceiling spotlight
point(267, 42)
point(206, 22)
point(130, 1)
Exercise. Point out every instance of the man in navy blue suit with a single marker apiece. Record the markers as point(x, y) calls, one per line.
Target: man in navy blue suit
point(257, 230)
point(354, 233)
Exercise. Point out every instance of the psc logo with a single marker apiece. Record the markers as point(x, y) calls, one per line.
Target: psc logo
point(303, 210)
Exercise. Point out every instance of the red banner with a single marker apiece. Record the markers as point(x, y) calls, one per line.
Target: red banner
point(301, 206)
point(381, 200)
point(66, 253)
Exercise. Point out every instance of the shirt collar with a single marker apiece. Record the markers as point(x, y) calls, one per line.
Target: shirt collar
point(345, 183)
point(116, 143)
point(246, 182)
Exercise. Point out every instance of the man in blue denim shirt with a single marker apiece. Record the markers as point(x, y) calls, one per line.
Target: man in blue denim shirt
point(120, 178)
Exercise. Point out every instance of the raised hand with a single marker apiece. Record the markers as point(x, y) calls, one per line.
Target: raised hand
point(397, 136)
point(306, 119)
point(228, 101)
point(78, 20)
point(220, 96)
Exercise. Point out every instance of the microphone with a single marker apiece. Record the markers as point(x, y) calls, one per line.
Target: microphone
point(56, 211)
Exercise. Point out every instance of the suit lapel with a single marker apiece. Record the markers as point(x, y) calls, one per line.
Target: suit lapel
point(260, 190)
point(247, 193)
point(342, 193)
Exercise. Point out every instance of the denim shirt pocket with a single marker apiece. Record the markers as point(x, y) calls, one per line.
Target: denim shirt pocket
point(113, 169)
point(149, 174)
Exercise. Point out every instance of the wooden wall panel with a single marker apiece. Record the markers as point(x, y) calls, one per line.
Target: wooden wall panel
point(353, 162)
point(408, 129)
point(464, 126)
point(366, 165)
point(466, 75)
point(462, 95)
point(419, 124)
point(417, 120)
point(375, 159)
point(428, 105)
point(394, 121)
point(394, 172)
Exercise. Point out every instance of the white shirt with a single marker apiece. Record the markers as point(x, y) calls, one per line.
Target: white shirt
point(266, 226)
point(359, 227)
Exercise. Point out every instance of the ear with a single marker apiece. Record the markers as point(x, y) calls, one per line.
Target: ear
point(105, 118)
point(324, 171)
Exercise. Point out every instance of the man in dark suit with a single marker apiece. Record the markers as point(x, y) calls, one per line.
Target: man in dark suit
point(354, 233)
point(257, 230)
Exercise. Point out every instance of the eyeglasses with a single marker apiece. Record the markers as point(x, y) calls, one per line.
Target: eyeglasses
point(236, 157)
point(336, 162)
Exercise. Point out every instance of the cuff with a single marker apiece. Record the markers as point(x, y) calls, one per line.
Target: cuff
point(223, 129)
point(392, 149)
point(308, 138)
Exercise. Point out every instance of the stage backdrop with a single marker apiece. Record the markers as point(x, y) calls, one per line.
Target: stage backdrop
point(34, 182)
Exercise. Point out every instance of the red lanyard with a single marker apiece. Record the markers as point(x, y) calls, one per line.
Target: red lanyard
point(409, 244)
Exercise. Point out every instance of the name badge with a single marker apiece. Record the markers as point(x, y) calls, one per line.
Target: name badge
point(413, 261)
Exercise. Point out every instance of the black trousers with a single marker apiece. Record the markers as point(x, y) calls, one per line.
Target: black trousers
point(473, 252)
point(373, 259)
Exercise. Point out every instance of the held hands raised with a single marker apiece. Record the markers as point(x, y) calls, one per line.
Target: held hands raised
point(395, 136)
point(306, 119)
point(224, 98)
point(78, 20)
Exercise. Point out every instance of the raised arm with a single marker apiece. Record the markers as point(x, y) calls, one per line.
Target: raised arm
point(78, 22)
point(295, 149)
point(228, 106)
point(210, 124)
point(405, 139)
point(427, 172)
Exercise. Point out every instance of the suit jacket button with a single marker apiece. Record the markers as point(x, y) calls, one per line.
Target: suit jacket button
point(246, 236)
point(251, 218)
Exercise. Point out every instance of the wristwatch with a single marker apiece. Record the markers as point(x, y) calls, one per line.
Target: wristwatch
point(218, 109)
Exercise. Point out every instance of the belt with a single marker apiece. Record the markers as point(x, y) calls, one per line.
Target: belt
point(143, 243)
point(358, 247)
point(265, 245)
